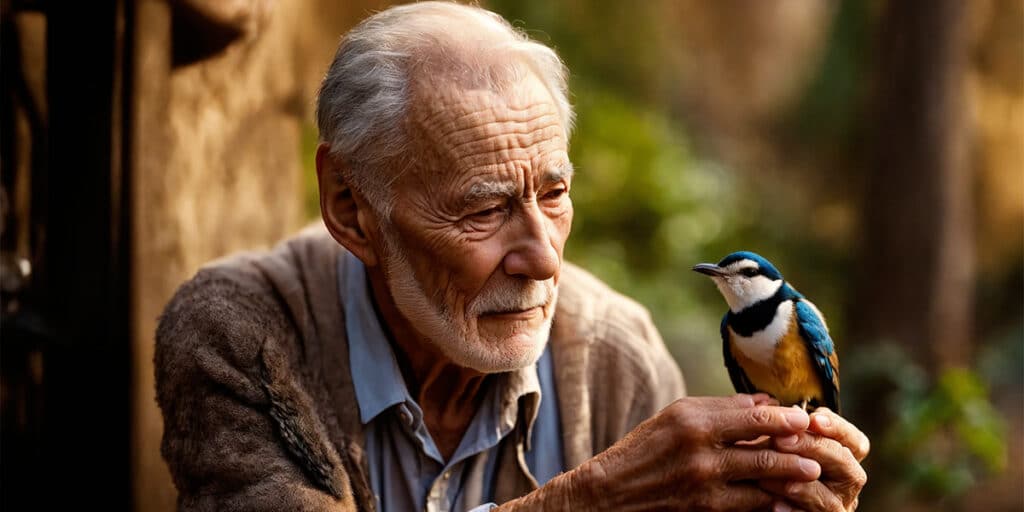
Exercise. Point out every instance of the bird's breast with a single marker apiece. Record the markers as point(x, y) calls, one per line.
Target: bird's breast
point(776, 359)
point(760, 346)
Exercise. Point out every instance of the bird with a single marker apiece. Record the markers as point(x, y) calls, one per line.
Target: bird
point(774, 340)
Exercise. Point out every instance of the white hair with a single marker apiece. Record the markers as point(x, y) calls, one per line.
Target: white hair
point(364, 97)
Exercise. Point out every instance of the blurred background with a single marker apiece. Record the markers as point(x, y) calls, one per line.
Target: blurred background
point(874, 150)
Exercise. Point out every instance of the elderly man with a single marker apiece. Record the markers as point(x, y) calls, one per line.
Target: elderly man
point(432, 350)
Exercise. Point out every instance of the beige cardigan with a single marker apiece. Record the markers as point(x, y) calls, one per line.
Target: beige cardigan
point(259, 410)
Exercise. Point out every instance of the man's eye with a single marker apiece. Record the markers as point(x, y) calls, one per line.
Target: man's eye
point(483, 214)
point(555, 193)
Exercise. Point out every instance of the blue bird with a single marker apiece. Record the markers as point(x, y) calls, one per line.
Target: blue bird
point(774, 340)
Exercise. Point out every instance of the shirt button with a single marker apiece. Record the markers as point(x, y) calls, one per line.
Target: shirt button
point(447, 475)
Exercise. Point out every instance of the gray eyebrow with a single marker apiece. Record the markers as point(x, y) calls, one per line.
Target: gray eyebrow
point(564, 172)
point(490, 190)
point(498, 189)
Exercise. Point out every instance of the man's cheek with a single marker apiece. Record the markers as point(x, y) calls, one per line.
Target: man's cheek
point(561, 234)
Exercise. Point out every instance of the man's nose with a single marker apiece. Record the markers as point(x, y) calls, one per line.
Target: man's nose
point(532, 254)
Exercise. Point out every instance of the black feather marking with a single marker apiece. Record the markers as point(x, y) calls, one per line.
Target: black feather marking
point(739, 378)
point(758, 315)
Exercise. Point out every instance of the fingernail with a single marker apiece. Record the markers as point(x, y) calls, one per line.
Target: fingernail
point(786, 442)
point(822, 420)
point(782, 506)
point(810, 467)
point(796, 418)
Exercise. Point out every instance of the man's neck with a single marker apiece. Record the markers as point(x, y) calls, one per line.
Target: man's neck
point(448, 394)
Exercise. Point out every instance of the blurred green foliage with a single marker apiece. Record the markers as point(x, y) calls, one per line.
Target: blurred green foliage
point(647, 210)
point(954, 412)
point(829, 111)
point(946, 435)
point(943, 434)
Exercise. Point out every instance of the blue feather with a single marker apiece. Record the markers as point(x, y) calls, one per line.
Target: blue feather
point(766, 267)
point(815, 334)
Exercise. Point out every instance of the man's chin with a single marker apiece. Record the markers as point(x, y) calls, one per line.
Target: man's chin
point(504, 354)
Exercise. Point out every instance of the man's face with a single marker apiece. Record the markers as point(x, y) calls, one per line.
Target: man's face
point(479, 224)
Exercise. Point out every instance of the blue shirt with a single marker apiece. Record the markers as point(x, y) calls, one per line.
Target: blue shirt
point(407, 471)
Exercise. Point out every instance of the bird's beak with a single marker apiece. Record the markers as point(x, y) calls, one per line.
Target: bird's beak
point(709, 269)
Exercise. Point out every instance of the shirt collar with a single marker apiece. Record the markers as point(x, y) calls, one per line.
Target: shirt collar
point(378, 381)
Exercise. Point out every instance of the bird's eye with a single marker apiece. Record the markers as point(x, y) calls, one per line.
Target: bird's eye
point(749, 272)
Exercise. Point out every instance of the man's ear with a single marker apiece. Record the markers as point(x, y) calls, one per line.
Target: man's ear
point(347, 216)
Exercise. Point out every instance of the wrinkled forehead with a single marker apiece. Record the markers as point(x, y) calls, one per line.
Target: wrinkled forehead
point(438, 103)
point(487, 125)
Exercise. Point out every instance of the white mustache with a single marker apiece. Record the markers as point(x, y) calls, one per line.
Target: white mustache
point(513, 296)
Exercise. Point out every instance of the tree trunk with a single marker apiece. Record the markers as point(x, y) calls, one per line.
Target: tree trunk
point(917, 248)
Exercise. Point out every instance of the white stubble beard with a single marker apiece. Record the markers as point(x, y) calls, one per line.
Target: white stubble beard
point(459, 341)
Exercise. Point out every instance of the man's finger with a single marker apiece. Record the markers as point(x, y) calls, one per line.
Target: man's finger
point(748, 424)
point(742, 496)
point(738, 401)
point(747, 464)
point(830, 424)
point(805, 495)
point(763, 399)
point(837, 463)
point(784, 506)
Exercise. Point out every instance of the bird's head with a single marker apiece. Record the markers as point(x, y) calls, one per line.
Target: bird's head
point(744, 278)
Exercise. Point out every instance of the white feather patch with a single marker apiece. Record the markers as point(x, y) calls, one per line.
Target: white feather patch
point(741, 292)
point(760, 346)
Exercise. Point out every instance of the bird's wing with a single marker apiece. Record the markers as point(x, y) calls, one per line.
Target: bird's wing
point(736, 374)
point(823, 351)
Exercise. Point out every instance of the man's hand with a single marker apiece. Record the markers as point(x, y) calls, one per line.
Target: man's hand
point(685, 458)
point(839, 447)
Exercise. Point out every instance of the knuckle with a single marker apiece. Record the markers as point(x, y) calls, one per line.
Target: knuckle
point(744, 400)
point(819, 443)
point(681, 410)
point(835, 449)
point(860, 478)
point(760, 416)
point(678, 406)
point(688, 424)
point(802, 491)
point(764, 460)
point(826, 500)
point(704, 467)
point(677, 414)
